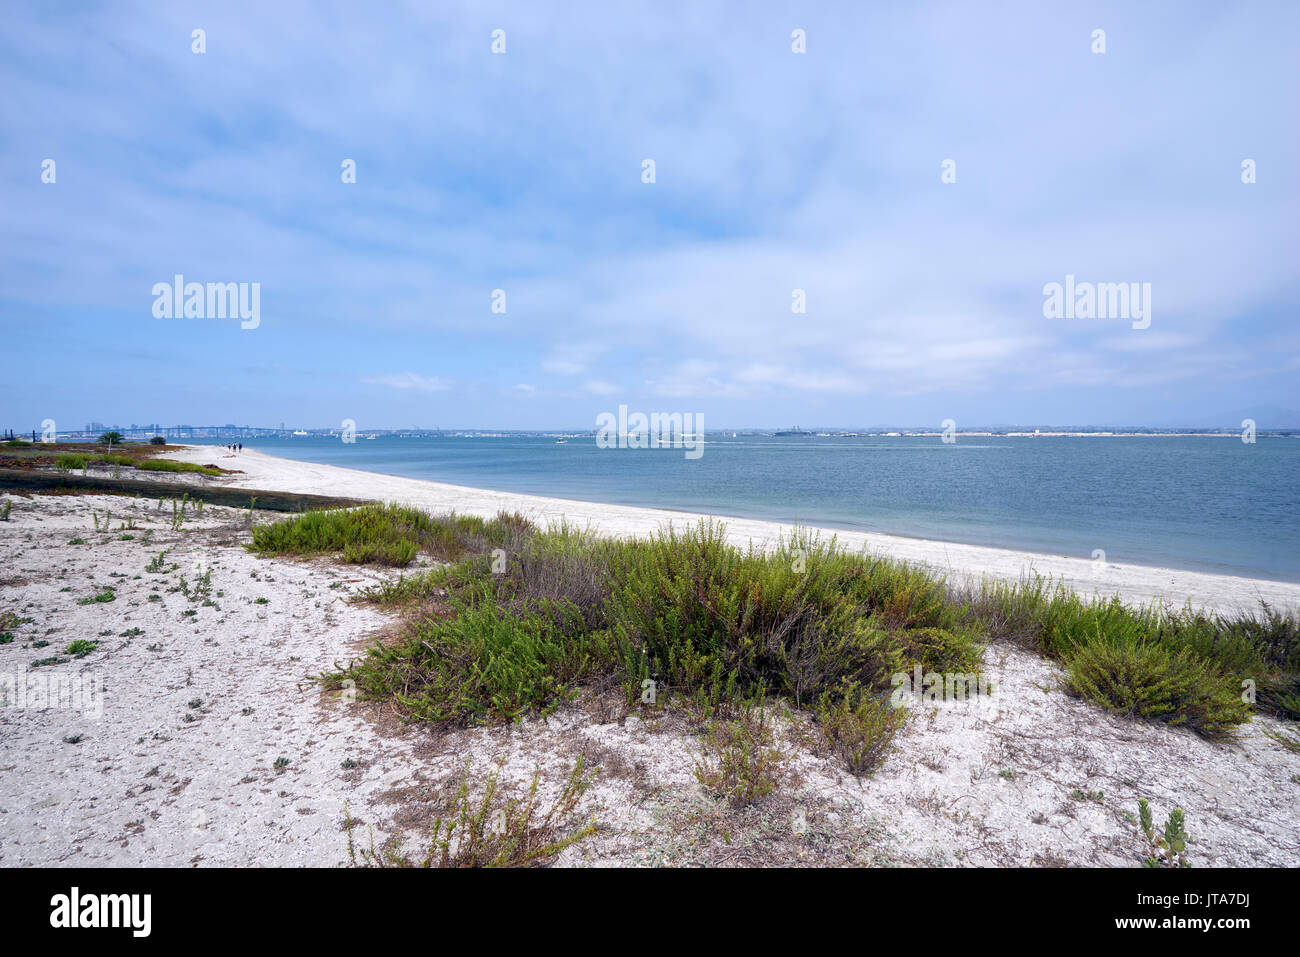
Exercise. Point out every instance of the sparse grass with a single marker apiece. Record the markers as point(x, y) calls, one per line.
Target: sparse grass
point(494, 829)
point(168, 465)
point(377, 534)
point(70, 460)
point(740, 759)
point(1287, 739)
point(107, 595)
point(858, 727)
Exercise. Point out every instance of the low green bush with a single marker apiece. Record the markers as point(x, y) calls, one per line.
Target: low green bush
point(482, 665)
point(1146, 679)
point(858, 726)
point(525, 617)
point(167, 465)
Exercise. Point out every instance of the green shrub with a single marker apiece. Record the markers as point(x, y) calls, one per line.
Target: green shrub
point(384, 534)
point(158, 440)
point(484, 664)
point(739, 758)
point(858, 726)
point(167, 465)
point(535, 613)
point(69, 461)
point(1150, 680)
point(708, 618)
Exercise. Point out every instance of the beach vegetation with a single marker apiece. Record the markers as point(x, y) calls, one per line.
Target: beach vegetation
point(1177, 664)
point(384, 534)
point(494, 828)
point(858, 726)
point(740, 759)
point(1165, 847)
point(106, 595)
point(168, 465)
point(518, 619)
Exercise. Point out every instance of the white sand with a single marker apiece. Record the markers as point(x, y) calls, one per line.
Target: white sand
point(1133, 583)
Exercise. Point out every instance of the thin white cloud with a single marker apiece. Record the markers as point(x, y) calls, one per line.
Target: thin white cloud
point(409, 380)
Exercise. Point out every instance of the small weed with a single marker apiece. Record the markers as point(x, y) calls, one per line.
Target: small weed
point(106, 595)
point(493, 830)
point(1168, 849)
point(740, 760)
point(81, 647)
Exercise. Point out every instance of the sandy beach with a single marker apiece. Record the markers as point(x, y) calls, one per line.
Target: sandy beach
point(1135, 584)
point(211, 745)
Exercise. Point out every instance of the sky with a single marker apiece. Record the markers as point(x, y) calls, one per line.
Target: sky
point(774, 171)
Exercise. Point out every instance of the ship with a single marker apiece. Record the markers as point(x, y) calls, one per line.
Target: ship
point(794, 431)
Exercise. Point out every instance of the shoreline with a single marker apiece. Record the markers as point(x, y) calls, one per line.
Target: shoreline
point(1133, 584)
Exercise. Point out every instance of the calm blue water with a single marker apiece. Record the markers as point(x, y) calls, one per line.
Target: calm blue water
point(1210, 504)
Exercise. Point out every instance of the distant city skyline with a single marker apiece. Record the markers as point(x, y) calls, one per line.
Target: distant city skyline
point(914, 213)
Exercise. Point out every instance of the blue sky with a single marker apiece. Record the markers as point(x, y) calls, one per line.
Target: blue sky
point(774, 171)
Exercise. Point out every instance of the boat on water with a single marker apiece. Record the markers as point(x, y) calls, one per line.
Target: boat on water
point(299, 432)
point(794, 431)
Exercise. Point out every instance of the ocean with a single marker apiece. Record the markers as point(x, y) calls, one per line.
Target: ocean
point(1212, 504)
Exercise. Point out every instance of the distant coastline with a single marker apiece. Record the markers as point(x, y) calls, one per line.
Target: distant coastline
point(235, 432)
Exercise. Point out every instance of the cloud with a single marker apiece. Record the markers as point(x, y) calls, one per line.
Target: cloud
point(776, 172)
point(409, 380)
